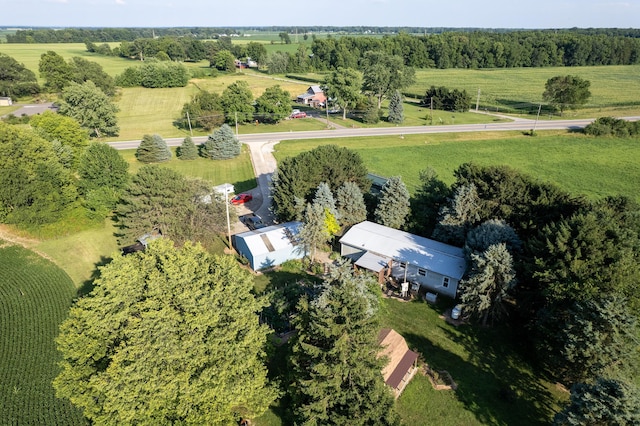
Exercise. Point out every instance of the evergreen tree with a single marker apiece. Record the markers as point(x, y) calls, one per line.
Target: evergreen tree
point(605, 402)
point(490, 232)
point(393, 207)
point(337, 372)
point(153, 149)
point(589, 339)
point(187, 150)
point(396, 108)
point(222, 144)
point(176, 331)
point(350, 204)
point(459, 216)
point(426, 203)
point(371, 113)
point(324, 198)
point(314, 234)
point(491, 278)
point(161, 198)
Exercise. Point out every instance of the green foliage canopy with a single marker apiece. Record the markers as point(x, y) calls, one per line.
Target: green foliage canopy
point(90, 107)
point(222, 144)
point(15, 79)
point(393, 205)
point(298, 177)
point(566, 92)
point(274, 104)
point(237, 102)
point(194, 347)
point(153, 149)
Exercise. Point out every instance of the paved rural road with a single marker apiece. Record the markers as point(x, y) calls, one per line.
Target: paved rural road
point(264, 164)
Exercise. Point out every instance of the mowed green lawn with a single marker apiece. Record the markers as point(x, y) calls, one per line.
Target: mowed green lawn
point(595, 167)
point(34, 298)
point(495, 384)
point(522, 88)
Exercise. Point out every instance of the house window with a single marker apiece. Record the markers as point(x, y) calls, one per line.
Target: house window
point(403, 265)
point(445, 282)
point(422, 272)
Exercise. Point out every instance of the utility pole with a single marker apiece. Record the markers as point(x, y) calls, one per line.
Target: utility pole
point(431, 110)
point(189, 121)
point(537, 116)
point(226, 203)
point(478, 100)
point(236, 114)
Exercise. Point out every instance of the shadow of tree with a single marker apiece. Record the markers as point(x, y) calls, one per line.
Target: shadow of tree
point(493, 382)
point(87, 286)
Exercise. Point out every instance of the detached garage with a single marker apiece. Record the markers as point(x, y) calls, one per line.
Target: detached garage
point(270, 246)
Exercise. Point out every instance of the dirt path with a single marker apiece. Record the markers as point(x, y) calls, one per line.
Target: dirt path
point(11, 237)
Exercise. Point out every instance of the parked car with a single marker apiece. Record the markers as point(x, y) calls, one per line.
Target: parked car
point(299, 114)
point(241, 198)
point(253, 221)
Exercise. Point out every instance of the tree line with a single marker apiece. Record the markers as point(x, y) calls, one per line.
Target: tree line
point(482, 49)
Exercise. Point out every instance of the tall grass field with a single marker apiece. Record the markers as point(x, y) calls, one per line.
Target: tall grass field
point(34, 298)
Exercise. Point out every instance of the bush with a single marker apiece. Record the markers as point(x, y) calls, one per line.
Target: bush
point(609, 126)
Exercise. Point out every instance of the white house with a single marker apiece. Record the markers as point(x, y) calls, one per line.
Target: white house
point(270, 246)
point(431, 264)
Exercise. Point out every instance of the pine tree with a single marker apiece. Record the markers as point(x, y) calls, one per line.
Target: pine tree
point(324, 198)
point(222, 144)
point(396, 108)
point(337, 374)
point(314, 233)
point(153, 149)
point(491, 278)
point(350, 204)
point(605, 402)
point(459, 216)
point(188, 150)
point(371, 113)
point(167, 336)
point(393, 207)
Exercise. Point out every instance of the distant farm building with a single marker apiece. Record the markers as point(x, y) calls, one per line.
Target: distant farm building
point(268, 247)
point(5, 101)
point(314, 97)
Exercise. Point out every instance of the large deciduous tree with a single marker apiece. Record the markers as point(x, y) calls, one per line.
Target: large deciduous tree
point(66, 131)
point(274, 104)
point(337, 378)
point(163, 199)
point(56, 72)
point(237, 102)
point(605, 402)
point(298, 177)
point(393, 205)
point(84, 70)
point(566, 92)
point(153, 149)
point(91, 107)
point(35, 187)
point(222, 144)
point(491, 278)
point(103, 175)
point(167, 336)
point(15, 79)
point(384, 74)
point(204, 110)
point(344, 87)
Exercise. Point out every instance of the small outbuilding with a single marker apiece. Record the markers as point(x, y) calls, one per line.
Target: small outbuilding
point(5, 101)
point(270, 246)
point(402, 362)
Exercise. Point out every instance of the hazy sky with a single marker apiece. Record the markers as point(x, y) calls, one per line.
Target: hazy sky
point(417, 13)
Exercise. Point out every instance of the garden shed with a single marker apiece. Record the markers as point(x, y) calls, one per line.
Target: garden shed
point(387, 251)
point(270, 246)
point(402, 365)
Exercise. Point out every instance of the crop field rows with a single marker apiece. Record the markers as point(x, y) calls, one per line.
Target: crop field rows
point(34, 298)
